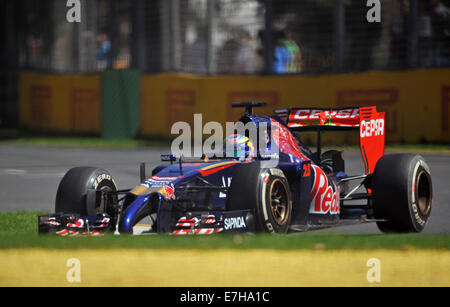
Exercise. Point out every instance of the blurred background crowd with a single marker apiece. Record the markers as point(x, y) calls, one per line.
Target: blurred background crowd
point(226, 36)
point(220, 37)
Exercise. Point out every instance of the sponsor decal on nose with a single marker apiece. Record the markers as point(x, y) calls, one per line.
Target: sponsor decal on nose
point(169, 191)
point(234, 223)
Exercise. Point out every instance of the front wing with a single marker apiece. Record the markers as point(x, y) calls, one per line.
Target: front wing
point(71, 224)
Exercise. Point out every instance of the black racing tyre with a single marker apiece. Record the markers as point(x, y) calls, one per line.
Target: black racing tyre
point(73, 188)
point(264, 190)
point(402, 193)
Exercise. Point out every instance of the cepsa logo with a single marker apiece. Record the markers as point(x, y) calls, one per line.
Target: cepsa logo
point(315, 113)
point(373, 127)
point(325, 196)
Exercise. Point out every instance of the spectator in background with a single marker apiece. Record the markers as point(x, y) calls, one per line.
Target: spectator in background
point(196, 55)
point(295, 63)
point(440, 9)
point(122, 53)
point(34, 51)
point(281, 55)
point(238, 54)
point(227, 55)
point(104, 48)
point(425, 35)
point(399, 35)
point(441, 27)
point(245, 57)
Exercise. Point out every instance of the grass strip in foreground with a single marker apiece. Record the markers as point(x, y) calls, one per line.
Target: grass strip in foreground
point(19, 230)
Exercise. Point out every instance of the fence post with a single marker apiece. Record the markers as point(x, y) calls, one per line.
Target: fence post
point(139, 45)
point(339, 35)
point(165, 32)
point(82, 43)
point(75, 37)
point(413, 33)
point(175, 35)
point(112, 16)
point(267, 39)
point(9, 111)
point(210, 16)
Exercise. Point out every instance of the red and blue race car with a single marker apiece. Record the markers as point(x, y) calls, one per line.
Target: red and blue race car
point(299, 190)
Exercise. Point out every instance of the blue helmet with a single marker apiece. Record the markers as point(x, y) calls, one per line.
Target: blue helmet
point(238, 146)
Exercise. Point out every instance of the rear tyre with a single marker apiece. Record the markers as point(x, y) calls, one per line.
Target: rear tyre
point(73, 189)
point(266, 191)
point(402, 193)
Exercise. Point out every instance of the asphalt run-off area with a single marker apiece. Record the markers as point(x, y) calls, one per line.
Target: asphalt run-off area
point(30, 175)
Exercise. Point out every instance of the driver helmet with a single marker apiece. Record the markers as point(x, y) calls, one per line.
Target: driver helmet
point(238, 146)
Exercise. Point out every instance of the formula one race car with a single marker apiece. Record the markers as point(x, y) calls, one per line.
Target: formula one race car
point(298, 190)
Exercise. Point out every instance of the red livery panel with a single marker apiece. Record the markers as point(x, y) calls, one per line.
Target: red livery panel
point(372, 136)
point(371, 125)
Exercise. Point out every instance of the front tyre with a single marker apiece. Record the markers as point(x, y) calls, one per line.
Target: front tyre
point(72, 194)
point(402, 193)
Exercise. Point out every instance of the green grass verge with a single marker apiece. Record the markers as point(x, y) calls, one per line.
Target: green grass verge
point(19, 230)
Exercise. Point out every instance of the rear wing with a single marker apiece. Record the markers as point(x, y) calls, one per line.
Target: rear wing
point(369, 122)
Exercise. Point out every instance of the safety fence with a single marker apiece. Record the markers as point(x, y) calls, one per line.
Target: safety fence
point(219, 38)
point(231, 36)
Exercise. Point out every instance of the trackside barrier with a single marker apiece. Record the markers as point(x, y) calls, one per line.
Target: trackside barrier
point(120, 104)
point(417, 103)
point(60, 103)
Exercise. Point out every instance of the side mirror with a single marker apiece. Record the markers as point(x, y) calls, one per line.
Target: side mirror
point(142, 172)
point(168, 158)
